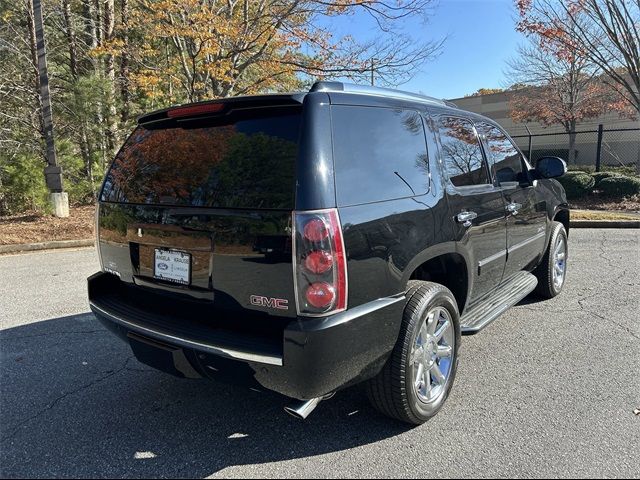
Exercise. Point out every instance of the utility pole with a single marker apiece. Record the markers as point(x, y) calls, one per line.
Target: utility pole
point(52, 172)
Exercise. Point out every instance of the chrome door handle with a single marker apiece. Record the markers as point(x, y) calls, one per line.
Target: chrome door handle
point(514, 208)
point(465, 218)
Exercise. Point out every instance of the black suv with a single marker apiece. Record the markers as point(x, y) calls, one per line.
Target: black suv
point(307, 242)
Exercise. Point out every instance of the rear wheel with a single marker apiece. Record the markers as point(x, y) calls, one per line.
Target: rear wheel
point(552, 271)
point(416, 380)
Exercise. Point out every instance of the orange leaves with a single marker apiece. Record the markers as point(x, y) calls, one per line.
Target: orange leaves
point(558, 103)
point(192, 50)
point(212, 47)
point(485, 91)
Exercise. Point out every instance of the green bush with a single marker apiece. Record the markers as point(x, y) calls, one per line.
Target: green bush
point(581, 168)
point(620, 186)
point(22, 184)
point(74, 176)
point(577, 184)
point(599, 176)
point(629, 171)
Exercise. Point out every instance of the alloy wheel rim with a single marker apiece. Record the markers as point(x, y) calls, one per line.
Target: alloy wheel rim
point(559, 262)
point(432, 355)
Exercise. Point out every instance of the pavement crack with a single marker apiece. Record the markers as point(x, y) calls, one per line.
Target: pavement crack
point(609, 319)
point(603, 251)
point(57, 400)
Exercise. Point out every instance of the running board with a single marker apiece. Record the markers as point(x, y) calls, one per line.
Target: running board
point(497, 302)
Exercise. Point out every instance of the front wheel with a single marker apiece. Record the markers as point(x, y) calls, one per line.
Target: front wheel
point(552, 271)
point(416, 380)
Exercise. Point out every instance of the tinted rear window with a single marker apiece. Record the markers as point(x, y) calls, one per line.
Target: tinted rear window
point(245, 161)
point(380, 154)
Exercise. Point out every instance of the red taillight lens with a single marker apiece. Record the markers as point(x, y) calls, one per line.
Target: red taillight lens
point(315, 230)
point(319, 262)
point(193, 110)
point(320, 294)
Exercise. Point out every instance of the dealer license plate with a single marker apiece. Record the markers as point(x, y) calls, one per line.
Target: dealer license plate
point(173, 266)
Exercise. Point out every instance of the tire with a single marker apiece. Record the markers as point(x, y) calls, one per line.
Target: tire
point(395, 391)
point(549, 283)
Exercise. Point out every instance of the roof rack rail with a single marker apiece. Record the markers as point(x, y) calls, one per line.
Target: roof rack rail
point(324, 86)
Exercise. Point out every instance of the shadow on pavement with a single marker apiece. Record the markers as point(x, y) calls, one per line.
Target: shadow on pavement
point(74, 402)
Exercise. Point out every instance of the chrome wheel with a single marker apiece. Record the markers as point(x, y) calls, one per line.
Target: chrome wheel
point(432, 354)
point(559, 262)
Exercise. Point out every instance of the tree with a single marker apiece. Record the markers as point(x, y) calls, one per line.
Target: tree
point(112, 60)
point(560, 87)
point(484, 91)
point(206, 49)
point(605, 32)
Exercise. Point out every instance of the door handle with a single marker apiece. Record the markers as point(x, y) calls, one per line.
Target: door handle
point(465, 218)
point(514, 208)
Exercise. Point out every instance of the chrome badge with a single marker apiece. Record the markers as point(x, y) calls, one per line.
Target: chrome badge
point(279, 303)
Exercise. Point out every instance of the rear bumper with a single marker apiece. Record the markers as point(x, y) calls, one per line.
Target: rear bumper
point(303, 358)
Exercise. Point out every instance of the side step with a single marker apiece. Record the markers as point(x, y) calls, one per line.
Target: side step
point(495, 303)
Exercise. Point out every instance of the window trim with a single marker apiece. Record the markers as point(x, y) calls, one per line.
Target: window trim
point(465, 189)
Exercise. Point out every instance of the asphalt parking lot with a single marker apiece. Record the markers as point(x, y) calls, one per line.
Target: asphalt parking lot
point(548, 390)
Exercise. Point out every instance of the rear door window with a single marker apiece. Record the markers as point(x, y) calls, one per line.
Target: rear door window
point(461, 152)
point(246, 160)
point(506, 161)
point(379, 154)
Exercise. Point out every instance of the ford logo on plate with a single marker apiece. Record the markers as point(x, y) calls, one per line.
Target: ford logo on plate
point(163, 266)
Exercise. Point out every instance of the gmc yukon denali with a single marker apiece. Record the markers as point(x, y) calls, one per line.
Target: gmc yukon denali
point(306, 242)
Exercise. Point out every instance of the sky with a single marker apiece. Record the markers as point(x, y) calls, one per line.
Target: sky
point(481, 36)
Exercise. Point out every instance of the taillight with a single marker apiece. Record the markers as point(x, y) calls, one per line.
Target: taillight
point(193, 110)
point(320, 295)
point(319, 263)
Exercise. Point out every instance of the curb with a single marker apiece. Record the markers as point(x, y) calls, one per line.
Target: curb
point(55, 244)
point(604, 224)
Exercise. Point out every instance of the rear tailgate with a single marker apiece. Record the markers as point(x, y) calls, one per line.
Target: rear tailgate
point(201, 207)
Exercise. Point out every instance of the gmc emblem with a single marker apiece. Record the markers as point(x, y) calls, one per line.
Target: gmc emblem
point(279, 303)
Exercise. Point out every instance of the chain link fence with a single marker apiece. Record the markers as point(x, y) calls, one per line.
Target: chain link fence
point(617, 147)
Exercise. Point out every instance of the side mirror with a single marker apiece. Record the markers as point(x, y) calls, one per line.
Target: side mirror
point(550, 167)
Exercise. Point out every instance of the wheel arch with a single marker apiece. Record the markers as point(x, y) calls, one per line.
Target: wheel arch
point(562, 215)
point(446, 265)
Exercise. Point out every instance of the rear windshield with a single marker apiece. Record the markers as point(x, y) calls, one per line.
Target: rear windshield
point(246, 160)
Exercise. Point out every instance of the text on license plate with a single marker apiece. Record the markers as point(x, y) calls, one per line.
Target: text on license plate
point(173, 266)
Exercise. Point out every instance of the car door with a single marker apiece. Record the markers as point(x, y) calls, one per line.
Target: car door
point(526, 216)
point(475, 204)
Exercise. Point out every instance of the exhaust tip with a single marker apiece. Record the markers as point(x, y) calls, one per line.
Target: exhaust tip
point(301, 409)
point(294, 413)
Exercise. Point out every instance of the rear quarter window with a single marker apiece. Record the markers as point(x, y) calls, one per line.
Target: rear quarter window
point(379, 154)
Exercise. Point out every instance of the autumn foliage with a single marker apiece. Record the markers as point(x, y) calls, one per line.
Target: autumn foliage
point(113, 60)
